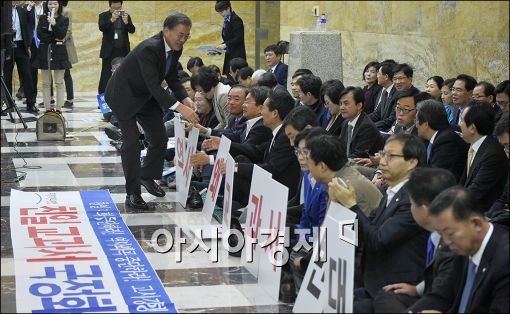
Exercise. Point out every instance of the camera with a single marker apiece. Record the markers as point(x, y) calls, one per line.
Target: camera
point(120, 12)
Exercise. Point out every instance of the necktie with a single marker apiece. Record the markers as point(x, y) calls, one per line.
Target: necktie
point(470, 278)
point(429, 151)
point(430, 251)
point(459, 117)
point(349, 139)
point(471, 153)
point(168, 61)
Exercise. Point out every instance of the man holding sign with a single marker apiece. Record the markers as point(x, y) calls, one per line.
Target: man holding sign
point(134, 94)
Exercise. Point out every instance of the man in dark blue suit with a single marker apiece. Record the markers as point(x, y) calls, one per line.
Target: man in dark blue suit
point(486, 170)
point(278, 156)
point(134, 94)
point(478, 281)
point(273, 56)
point(445, 148)
point(394, 244)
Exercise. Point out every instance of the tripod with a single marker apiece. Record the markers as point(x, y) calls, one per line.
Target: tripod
point(7, 97)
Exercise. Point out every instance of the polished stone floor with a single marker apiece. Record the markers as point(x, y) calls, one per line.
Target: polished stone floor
point(87, 161)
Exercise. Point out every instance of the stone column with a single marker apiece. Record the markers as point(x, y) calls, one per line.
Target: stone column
point(320, 52)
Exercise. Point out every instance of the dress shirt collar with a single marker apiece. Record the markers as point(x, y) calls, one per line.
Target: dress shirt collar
point(431, 141)
point(273, 69)
point(353, 122)
point(250, 123)
point(476, 145)
point(275, 131)
point(167, 47)
point(391, 192)
point(477, 257)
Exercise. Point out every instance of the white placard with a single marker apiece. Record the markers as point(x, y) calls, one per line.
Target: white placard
point(216, 177)
point(180, 151)
point(265, 222)
point(227, 193)
point(191, 148)
point(329, 286)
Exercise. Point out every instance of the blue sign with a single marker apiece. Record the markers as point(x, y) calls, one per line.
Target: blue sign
point(102, 104)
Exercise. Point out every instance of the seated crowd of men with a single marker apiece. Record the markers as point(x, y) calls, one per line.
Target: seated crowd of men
point(426, 172)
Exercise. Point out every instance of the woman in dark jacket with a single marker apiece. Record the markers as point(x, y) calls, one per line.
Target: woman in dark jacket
point(232, 34)
point(52, 53)
point(372, 89)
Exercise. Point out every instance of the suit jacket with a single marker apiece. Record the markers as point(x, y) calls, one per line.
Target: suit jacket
point(394, 244)
point(372, 96)
point(257, 135)
point(220, 104)
point(27, 24)
point(488, 173)
point(280, 161)
point(138, 80)
point(436, 275)
point(281, 72)
point(233, 36)
point(108, 29)
point(50, 43)
point(489, 293)
point(389, 114)
point(231, 127)
point(336, 128)
point(382, 112)
point(456, 117)
point(366, 139)
point(449, 151)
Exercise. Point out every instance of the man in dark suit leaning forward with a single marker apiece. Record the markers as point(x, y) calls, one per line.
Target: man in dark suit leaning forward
point(134, 94)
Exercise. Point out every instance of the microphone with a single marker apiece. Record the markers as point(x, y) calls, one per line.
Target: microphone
point(52, 14)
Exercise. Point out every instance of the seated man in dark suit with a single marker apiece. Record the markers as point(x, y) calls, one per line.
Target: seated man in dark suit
point(279, 158)
point(445, 148)
point(478, 281)
point(462, 92)
point(486, 170)
point(273, 56)
point(394, 244)
point(405, 111)
point(385, 79)
point(359, 134)
point(298, 119)
point(423, 186)
point(402, 80)
point(309, 89)
point(501, 131)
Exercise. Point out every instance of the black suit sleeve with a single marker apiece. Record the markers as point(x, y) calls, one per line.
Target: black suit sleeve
point(444, 156)
point(173, 82)
point(253, 152)
point(129, 26)
point(395, 230)
point(104, 21)
point(258, 135)
point(60, 28)
point(364, 141)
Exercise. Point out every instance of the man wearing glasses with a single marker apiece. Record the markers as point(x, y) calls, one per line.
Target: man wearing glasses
point(462, 92)
point(405, 111)
point(395, 245)
point(134, 94)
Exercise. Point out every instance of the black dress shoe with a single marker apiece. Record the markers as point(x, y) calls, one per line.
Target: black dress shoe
point(32, 109)
point(136, 201)
point(113, 133)
point(152, 187)
point(68, 104)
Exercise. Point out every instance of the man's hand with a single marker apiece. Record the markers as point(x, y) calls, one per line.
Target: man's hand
point(223, 168)
point(199, 159)
point(187, 126)
point(340, 194)
point(297, 263)
point(189, 103)
point(188, 113)
point(115, 16)
point(363, 161)
point(125, 18)
point(221, 46)
point(378, 179)
point(402, 288)
point(212, 143)
point(201, 129)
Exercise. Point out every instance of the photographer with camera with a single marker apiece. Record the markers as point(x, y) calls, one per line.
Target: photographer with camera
point(115, 24)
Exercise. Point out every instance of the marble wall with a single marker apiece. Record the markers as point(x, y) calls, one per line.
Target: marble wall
point(435, 37)
point(148, 17)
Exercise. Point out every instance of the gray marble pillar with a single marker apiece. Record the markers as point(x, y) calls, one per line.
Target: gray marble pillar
point(320, 52)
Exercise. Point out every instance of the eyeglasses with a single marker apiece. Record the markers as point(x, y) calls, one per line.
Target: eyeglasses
point(387, 155)
point(457, 90)
point(183, 36)
point(403, 110)
point(305, 152)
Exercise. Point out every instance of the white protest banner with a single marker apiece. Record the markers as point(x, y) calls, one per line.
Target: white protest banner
point(215, 182)
point(191, 148)
point(73, 253)
point(180, 151)
point(329, 286)
point(227, 193)
point(265, 222)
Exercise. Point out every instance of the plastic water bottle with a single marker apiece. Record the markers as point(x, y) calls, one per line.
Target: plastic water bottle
point(318, 24)
point(323, 22)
